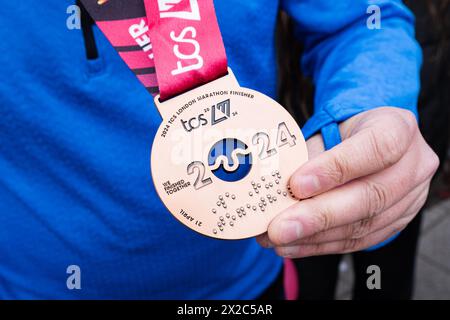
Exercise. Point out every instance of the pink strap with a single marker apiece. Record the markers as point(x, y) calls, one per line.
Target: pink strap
point(290, 280)
point(187, 44)
point(186, 48)
point(115, 18)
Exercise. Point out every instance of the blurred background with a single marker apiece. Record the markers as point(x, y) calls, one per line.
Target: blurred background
point(433, 33)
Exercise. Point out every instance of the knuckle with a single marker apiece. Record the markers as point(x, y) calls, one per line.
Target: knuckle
point(376, 196)
point(402, 121)
point(429, 163)
point(351, 245)
point(385, 146)
point(422, 199)
point(338, 170)
point(360, 229)
point(323, 219)
point(408, 119)
point(432, 163)
point(419, 202)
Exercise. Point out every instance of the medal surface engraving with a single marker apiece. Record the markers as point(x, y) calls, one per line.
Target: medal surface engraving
point(222, 158)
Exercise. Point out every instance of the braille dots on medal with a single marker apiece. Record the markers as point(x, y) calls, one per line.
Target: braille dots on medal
point(270, 189)
point(240, 212)
point(221, 203)
point(276, 174)
point(256, 186)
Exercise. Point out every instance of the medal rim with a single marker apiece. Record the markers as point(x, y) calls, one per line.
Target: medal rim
point(174, 215)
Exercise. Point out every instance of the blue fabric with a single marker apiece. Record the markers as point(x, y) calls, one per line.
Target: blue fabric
point(331, 135)
point(75, 140)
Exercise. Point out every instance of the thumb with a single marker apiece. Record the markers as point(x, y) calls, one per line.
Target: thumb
point(372, 148)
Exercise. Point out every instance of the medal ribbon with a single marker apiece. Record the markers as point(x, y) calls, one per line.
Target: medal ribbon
point(186, 48)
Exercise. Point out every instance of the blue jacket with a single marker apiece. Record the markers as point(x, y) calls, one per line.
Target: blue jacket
point(75, 140)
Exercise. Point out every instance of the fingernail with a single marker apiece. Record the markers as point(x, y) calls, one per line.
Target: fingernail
point(290, 231)
point(307, 185)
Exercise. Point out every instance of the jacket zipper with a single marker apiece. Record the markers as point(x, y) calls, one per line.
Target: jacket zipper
point(87, 24)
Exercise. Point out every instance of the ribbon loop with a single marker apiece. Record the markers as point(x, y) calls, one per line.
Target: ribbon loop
point(187, 44)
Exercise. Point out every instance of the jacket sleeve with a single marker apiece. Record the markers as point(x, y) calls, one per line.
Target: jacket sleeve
point(354, 66)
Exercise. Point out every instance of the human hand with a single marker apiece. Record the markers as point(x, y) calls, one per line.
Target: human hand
point(359, 193)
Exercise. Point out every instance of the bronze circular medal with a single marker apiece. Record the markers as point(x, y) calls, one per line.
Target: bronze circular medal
point(222, 158)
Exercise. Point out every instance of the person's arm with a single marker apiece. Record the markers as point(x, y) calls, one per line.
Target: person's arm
point(353, 67)
point(375, 176)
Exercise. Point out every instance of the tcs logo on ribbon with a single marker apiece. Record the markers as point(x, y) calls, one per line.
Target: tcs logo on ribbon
point(166, 6)
point(174, 9)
